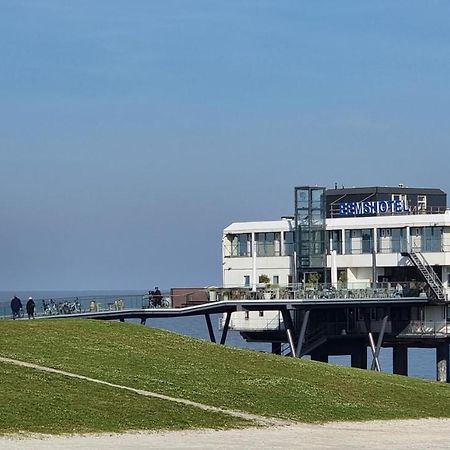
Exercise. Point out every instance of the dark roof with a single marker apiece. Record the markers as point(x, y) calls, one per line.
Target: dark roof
point(384, 190)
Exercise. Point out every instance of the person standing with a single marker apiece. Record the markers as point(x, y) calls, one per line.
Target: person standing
point(30, 308)
point(157, 297)
point(16, 306)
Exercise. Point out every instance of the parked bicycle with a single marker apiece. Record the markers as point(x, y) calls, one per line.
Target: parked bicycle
point(49, 307)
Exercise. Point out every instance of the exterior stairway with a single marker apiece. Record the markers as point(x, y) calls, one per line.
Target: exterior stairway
point(313, 340)
point(430, 276)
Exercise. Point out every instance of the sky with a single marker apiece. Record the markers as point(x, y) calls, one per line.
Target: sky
point(133, 133)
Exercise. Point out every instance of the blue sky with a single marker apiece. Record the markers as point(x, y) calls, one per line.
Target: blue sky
point(132, 133)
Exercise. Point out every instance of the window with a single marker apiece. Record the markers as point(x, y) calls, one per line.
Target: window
point(335, 237)
point(400, 198)
point(275, 279)
point(246, 280)
point(289, 243)
point(385, 232)
point(366, 241)
point(261, 313)
point(240, 244)
point(421, 203)
point(432, 239)
point(268, 244)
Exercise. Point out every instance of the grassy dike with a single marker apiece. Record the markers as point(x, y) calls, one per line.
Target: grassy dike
point(177, 366)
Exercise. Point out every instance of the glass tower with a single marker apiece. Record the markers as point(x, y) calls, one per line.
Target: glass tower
point(310, 213)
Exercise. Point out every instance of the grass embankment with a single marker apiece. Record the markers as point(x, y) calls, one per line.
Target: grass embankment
point(34, 401)
point(170, 364)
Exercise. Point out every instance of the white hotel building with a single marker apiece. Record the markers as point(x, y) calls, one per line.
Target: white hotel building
point(353, 235)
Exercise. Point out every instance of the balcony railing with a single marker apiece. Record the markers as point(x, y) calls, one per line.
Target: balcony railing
point(263, 249)
point(426, 329)
point(323, 291)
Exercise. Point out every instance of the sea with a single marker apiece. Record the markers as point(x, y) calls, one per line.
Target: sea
point(421, 362)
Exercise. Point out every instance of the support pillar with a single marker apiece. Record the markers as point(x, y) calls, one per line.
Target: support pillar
point(376, 350)
point(442, 362)
point(400, 360)
point(287, 319)
point(276, 348)
point(210, 328)
point(359, 356)
point(225, 328)
point(301, 336)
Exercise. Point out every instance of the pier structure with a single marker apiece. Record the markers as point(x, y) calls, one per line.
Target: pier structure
point(346, 243)
point(315, 325)
point(322, 328)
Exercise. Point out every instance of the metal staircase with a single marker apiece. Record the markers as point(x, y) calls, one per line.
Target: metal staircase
point(286, 349)
point(313, 340)
point(430, 276)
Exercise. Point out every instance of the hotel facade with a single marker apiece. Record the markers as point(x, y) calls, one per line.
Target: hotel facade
point(357, 236)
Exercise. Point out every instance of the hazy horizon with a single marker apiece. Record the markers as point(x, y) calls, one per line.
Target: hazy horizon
point(131, 135)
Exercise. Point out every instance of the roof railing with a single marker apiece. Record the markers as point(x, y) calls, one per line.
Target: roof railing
point(416, 210)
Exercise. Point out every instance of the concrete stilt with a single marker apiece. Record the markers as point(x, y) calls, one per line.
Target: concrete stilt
point(359, 357)
point(400, 360)
point(442, 362)
point(210, 328)
point(225, 328)
point(276, 348)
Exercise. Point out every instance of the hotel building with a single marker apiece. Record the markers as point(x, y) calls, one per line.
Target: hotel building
point(359, 236)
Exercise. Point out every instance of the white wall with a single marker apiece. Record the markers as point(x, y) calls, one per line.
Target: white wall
point(234, 269)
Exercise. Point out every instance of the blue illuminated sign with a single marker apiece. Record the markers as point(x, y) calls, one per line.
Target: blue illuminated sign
point(363, 208)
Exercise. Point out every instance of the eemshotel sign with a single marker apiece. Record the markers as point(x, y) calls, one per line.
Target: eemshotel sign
point(362, 208)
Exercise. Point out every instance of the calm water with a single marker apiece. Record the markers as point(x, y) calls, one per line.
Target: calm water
point(422, 362)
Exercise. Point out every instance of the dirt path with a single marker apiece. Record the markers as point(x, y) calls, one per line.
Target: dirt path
point(377, 435)
point(267, 421)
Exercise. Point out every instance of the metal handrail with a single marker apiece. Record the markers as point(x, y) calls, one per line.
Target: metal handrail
point(91, 303)
point(426, 328)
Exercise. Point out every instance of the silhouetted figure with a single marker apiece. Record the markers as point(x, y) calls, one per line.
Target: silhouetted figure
point(16, 306)
point(30, 308)
point(150, 299)
point(157, 297)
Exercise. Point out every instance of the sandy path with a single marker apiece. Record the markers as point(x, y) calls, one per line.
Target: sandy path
point(402, 434)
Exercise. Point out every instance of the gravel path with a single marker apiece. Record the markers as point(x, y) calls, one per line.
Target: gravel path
point(377, 435)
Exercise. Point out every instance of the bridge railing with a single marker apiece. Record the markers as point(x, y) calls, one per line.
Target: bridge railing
point(72, 305)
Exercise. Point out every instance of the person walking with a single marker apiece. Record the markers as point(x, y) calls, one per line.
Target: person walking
point(16, 306)
point(30, 308)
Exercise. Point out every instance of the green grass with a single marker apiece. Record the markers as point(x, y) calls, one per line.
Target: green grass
point(269, 385)
point(39, 402)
